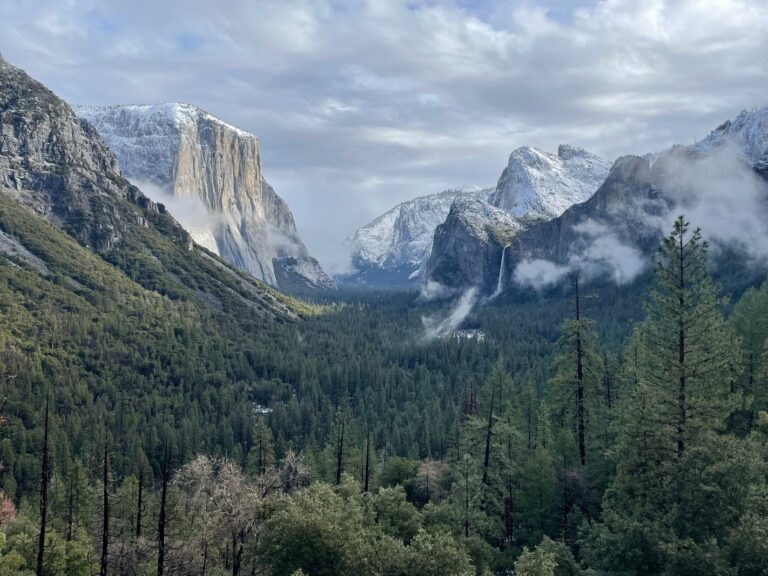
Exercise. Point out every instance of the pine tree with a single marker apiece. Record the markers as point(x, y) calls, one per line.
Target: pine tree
point(44, 480)
point(749, 320)
point(686, 348)
point(574, 389)
point(104, 563)
point(680, 358)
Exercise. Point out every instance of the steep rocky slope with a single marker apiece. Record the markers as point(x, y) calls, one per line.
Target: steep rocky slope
point(469, 246)
point(209, 172)
point(392, 250)
point(56, 165)
point(535, 186)
point(544, 185)
point(719, 183)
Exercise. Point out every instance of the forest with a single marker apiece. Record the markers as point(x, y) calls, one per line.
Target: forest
point(597, 430)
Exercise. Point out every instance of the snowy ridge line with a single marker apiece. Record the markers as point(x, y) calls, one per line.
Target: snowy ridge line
point(180, 112)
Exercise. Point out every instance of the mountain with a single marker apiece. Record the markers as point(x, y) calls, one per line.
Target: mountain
point(748, 132)
point(56, 166)
point(535, 186)
point(718, 183)
point(469, 246)
point(543, 185)
point(392, 250)
point(209, 173)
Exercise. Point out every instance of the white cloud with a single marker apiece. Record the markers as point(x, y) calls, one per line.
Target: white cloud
point(423, 94)
point(538, 273)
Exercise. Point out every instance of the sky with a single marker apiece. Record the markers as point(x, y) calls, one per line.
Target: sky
point(362, 104)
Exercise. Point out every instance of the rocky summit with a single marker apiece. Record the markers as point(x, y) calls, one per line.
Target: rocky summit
point(209, 174)
point(469, 246)
point(544, 185)
point(393, 249)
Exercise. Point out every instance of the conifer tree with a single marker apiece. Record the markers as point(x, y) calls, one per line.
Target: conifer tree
point(749, 320)
point(680, 357)
point(44, 480)
point(686, 348)
point(574, 389)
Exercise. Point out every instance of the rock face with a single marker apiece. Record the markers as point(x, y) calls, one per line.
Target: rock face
point(748, 132)
point(716, 182)
point(629, 204)
point(209, 173)
point(543, 185)
point(468, 247)
point(55, 164)
point(301, 275)
point(393, 249)
point(534, 187)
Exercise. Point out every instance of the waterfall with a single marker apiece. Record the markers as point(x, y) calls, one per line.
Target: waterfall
point(500, 281)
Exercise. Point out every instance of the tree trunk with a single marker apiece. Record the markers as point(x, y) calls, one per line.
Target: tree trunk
point(71, 508)
point(367, 462)
point(237, 552)
point(340, 454)
point(105, 521)
point(139, 503)
point(161, 524)
point(681, 391)
point(489, 436)
point(580, 409)
point(43, 496)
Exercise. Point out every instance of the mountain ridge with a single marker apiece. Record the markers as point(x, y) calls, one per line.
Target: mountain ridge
point(393, 248)
point(55, 165)
point(211, 172)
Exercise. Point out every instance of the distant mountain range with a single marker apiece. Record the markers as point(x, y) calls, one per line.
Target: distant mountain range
point(554, 213)
point(718, 183)
point(405, 246)
point(393, 249)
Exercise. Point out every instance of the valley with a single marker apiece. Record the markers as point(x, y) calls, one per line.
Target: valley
point(559, 375)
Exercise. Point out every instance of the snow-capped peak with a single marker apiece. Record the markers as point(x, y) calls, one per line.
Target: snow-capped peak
point(540, 184)
point(399, 241)
point(483, 220)
point(180, 113)
point(749, 131)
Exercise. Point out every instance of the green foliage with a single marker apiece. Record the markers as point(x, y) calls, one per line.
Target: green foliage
point(471, 458)
point(62, 558)
point(536, 563)
point(682, 486)
point(322, 532)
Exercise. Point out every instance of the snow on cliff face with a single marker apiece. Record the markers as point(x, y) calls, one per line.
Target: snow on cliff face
point(748, 131)
point(469, 246)
point(535, 185)
point(542, 185)
point(209, 174)
point(484, 221)
point(393, 248)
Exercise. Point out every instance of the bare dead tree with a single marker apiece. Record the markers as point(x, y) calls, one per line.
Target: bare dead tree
point(43, 494)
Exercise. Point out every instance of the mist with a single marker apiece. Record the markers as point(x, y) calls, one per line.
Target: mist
point(600, 253)
point(437, 327)
point(713, 186)
point(188, 210)
point(720, 193)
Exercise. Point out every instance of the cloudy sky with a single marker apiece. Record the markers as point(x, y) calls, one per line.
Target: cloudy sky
point(361, 104)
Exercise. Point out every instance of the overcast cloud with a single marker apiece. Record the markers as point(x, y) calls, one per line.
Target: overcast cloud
point(361, 104)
